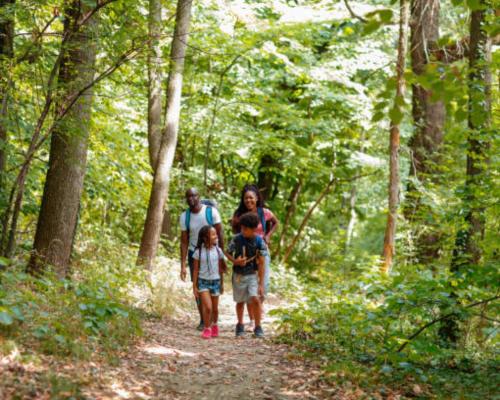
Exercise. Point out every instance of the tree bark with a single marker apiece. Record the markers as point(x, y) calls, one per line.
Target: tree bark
point(58, 216)
point(306, 218)
point(428, 119)
point(390, 230)
point(155, 78)
point(265, 177)
point(290, 210)
point(159, 190)
point(6, 54)
point(467, 245)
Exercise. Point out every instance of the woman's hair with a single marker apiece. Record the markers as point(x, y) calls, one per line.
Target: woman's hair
point(242, 209)
point(249, 220)
point(203, 236)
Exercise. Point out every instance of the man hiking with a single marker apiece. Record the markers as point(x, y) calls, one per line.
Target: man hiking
point(192, 220)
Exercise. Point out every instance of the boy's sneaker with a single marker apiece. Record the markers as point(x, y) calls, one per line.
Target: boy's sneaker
point(258, 332)
point(240, 330)
point(207, 333)
point(215, 331)
point(200, 326)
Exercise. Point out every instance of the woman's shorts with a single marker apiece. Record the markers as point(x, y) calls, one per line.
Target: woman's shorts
point(209, 285)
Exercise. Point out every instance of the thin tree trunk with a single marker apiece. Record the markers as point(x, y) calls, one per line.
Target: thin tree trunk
point(159, 190)
point(265, 177)
point(428, 119)
point(352, 217)
point(390, 231)
point(306, 218)
point(290, 210)
point(467, 244)
point(6, 54)
point(58, 216)
point(155, 77)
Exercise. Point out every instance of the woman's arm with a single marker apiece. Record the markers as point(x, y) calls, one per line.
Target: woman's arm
point(274, 225)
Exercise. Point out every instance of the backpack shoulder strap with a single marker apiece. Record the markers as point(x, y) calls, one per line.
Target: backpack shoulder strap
point(262, 218)
point(188, 220)
point(209, 215)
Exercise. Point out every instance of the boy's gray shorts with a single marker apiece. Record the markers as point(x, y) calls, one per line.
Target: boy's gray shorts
point(245, 287)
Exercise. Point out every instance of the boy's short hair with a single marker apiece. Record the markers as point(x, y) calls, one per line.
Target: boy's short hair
point(249, 220)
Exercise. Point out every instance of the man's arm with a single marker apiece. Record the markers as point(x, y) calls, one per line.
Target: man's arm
point(184, 251)
point(196, 270)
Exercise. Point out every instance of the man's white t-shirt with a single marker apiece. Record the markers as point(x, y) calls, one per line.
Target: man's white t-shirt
point(198, 221)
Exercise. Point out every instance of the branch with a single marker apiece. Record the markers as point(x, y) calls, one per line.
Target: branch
point(443, 317)
point(353, 14)
point(37, 37)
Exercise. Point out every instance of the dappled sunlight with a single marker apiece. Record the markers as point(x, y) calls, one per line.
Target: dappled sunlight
point(168, 351)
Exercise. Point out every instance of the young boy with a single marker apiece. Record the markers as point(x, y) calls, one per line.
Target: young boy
point(247, 251)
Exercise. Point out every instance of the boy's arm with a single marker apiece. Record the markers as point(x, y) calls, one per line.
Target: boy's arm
point(260, 264)
point(240, 261)
point(196, 270)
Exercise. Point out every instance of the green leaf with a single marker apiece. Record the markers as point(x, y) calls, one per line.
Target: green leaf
point(396, 115)
point(5, 318)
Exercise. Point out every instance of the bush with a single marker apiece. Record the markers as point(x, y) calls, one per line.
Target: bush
point(361, 327)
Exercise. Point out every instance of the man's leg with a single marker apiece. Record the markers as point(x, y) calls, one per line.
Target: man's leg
point(197, 300)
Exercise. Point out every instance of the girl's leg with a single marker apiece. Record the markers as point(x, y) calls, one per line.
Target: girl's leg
point(215, 309)
point(250, 311)
point(206, 305)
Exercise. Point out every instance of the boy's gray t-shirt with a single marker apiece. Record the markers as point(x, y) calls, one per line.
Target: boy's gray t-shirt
point(209, 262)
point(198, 220)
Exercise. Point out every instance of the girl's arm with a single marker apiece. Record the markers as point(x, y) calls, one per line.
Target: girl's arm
point(196, 270)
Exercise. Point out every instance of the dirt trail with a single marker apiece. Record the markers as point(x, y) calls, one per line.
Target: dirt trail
point(173, 362)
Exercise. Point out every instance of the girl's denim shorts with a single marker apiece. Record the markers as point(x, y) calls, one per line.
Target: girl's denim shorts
point(209, 285)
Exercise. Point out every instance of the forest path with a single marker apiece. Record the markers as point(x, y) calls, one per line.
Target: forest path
point(172, 362)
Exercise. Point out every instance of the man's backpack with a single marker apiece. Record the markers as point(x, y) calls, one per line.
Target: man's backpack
point(210, 205)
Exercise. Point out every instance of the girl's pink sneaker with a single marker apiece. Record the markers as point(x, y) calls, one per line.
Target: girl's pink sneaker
point(215, 331)
point(207, 334)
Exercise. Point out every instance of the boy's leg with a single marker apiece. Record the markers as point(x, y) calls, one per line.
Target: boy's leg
point(257, 309)
point(206, 304)
point(240, 309)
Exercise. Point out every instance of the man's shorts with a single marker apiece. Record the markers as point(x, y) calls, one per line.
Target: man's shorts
point(245, 287)
point(209, 285)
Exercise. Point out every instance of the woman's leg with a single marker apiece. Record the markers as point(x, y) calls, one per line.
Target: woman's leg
point(206, 305)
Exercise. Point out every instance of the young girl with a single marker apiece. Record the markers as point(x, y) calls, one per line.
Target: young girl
point(209, 265)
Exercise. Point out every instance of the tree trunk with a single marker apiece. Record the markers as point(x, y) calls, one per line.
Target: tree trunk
point(155, 77)
point(467, 244)
point(352, 217)
point(390, 230)
point(159, 190)
point(58, 216)
point(6, 54)
point(290, 210)
point(428, 120)
point(265, 177)
point(306, 218)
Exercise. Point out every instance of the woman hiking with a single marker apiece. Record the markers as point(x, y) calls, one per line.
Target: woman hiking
point(252, 201)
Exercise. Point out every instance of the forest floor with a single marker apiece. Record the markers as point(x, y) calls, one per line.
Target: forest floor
point(171, 361)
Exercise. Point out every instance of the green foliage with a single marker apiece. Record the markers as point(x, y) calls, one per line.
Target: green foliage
point(66, 317)
point(359, 325)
